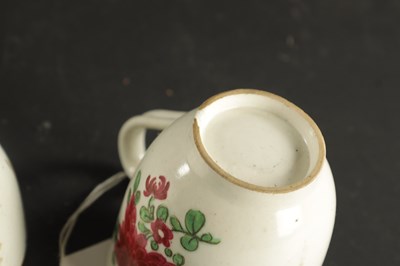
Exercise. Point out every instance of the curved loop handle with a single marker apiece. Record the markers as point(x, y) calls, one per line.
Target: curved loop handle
point(131, 139)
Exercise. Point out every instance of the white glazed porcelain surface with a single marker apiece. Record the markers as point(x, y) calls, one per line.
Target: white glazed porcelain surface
point(12, 226)
point(287, 224)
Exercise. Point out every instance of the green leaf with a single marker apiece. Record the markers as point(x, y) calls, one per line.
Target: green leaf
point(190, 243)
point(145, 215)
point(208, 238)
point(151, 202)
point(176, 225)
point(214, 241)
point(129, 195)
point(162, 213)
point(178, 259)
point(194, 221)
point(137, 197)
point(168, 252)
point(154, 245)
point(142, 228)
point(137, 181)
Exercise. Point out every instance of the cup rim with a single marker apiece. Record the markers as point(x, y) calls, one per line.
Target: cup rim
point(264, 189)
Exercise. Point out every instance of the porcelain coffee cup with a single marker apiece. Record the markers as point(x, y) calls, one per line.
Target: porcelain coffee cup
point(241, 180)
point(12, 225)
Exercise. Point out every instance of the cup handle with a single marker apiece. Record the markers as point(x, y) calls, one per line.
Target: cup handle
point(131, 138)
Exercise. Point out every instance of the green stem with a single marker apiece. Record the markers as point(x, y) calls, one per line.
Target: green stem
point(181, 231)
point(149, 205)
point(150, 200)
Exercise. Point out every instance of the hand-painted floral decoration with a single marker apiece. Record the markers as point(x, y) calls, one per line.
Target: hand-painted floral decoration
point(132, 236)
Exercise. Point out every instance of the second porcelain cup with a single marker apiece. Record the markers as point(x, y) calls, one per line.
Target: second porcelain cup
point(12, 224)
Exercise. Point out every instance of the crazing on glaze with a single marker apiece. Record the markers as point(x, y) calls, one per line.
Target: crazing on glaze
point(157, 227)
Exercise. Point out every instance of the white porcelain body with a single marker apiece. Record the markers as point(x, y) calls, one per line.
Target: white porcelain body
point(254, 228)
point(12, 225)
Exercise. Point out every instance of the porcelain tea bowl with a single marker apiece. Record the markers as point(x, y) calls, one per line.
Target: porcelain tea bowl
point(241, 180)
point(12, 225)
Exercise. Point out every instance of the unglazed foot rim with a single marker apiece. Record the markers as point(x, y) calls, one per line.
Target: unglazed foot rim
point(265, 189)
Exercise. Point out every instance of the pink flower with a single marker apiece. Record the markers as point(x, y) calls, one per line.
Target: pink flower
point(158, 226)
point(158, 189)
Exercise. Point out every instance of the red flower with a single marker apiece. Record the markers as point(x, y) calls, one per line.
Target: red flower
point(130, 248)
point(159, 190)
point(156, 259)
point(166, 234)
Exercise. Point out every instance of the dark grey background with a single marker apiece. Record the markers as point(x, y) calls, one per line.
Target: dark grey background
point(71, 72)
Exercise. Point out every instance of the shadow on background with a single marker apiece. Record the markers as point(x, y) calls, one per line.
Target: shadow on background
point(67, 183)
